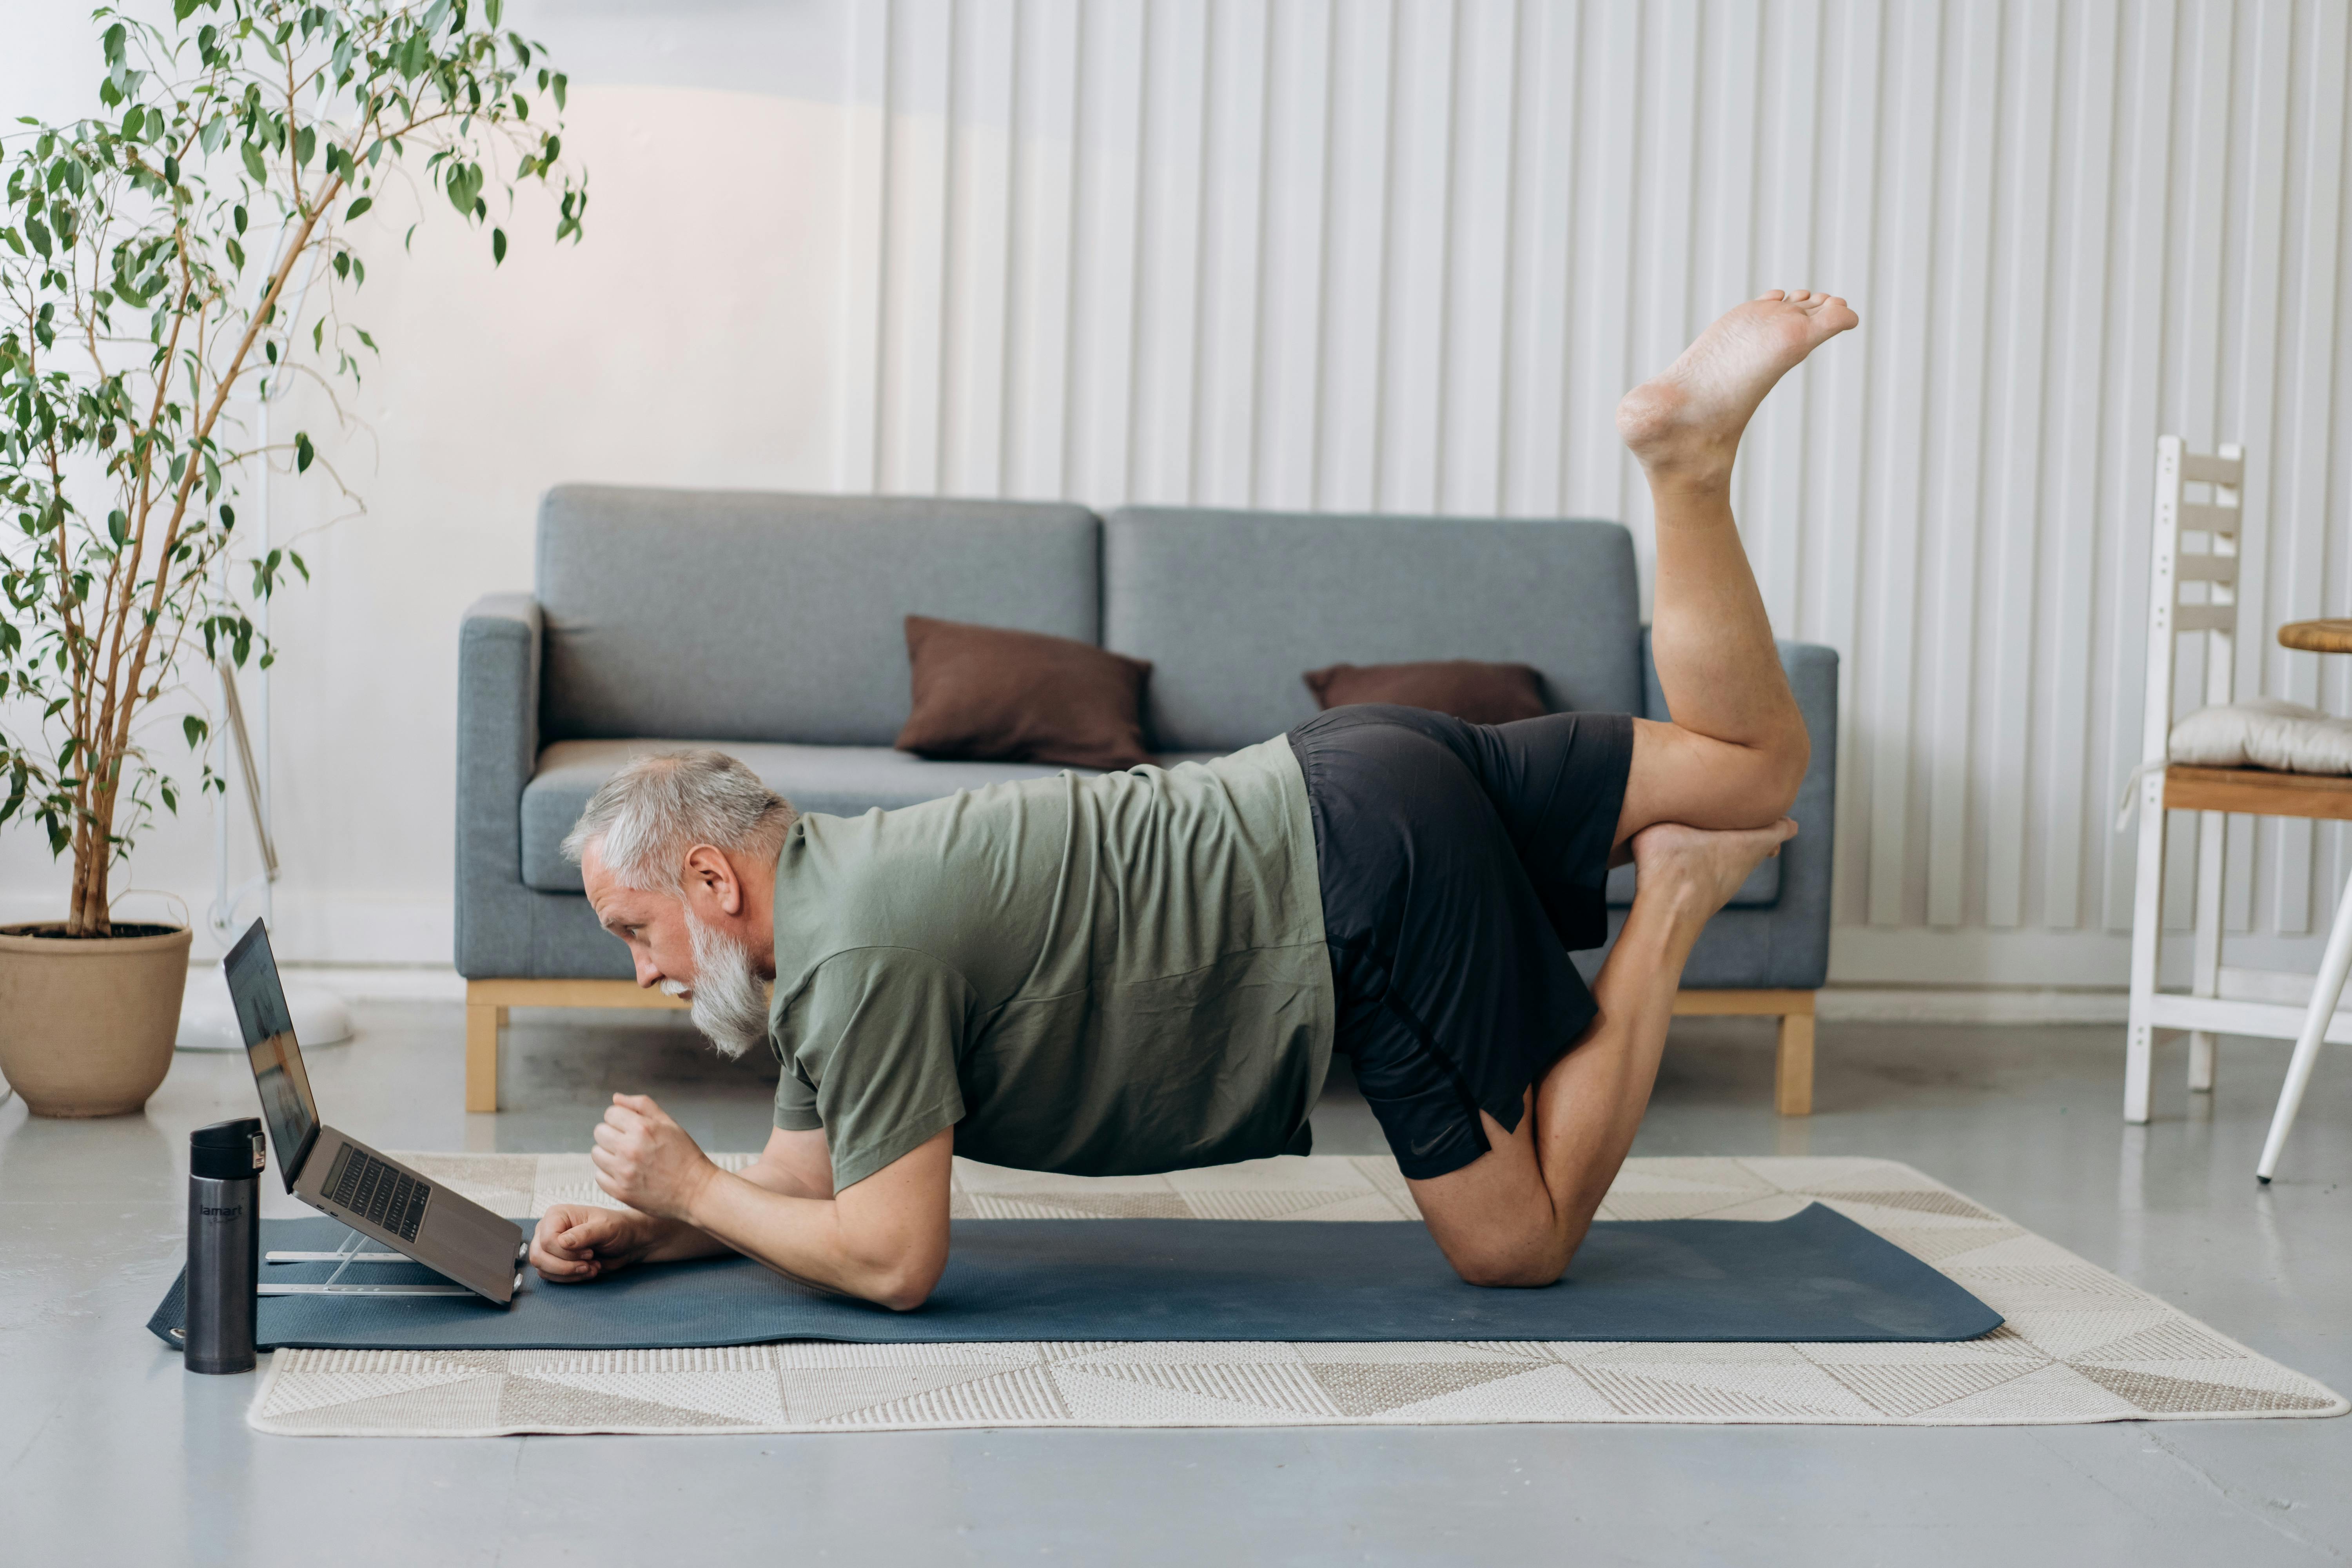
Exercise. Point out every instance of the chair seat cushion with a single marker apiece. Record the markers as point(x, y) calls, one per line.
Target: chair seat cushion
point(838, 781)
point(2265, 733)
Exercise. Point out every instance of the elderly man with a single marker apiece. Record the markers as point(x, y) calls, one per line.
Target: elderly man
point(1148, 971)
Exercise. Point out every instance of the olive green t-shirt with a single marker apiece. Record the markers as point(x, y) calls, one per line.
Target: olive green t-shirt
point(1102, 976)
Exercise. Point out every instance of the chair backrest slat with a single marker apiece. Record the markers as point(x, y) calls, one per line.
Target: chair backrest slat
point(2222, 569)
point(2205, 618)
point(2224, 469)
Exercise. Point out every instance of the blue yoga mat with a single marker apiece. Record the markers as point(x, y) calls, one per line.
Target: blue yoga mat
point(1815, 1277)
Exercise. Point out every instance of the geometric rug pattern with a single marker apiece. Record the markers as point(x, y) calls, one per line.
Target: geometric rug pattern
point(2079, 1345)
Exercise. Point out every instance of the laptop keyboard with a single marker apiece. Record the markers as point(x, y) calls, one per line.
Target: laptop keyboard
point(362, 1184)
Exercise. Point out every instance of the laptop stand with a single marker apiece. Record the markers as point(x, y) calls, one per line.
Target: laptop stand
point(343, 1257)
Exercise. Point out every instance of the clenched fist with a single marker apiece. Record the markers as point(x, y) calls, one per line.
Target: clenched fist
point(648, 1161)
point(577, 1242)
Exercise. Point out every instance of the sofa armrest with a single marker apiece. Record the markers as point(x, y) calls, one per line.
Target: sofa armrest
point(1787, 945)
point(1801, 938)
point(499, 647)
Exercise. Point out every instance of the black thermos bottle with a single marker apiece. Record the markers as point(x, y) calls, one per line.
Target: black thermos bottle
point(225, 1163)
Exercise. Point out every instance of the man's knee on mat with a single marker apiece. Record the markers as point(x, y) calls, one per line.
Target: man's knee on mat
point(1506, 1261)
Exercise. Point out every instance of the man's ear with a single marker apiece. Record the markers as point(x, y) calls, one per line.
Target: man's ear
point(710, 874)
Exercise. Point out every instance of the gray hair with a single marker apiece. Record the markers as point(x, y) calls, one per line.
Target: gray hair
point(648, 815)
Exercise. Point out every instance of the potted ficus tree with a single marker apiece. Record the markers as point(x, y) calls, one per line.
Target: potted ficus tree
point(162, 263)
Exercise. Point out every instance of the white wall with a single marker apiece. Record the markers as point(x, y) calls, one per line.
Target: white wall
point(1355, 254)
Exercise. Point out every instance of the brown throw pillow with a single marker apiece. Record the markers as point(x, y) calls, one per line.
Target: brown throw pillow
point(989, 694)
point(1465, 687)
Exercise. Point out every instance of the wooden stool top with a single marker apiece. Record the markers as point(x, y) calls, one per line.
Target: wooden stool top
point(2318, 636)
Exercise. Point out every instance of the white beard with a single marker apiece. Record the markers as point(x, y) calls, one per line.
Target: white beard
point(730, 1006)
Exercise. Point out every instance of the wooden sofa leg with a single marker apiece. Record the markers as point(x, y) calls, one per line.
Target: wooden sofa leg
point(483, 1021)
point(1792, 1078)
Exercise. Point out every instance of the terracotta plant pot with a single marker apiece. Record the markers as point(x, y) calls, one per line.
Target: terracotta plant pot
point(87, 1023)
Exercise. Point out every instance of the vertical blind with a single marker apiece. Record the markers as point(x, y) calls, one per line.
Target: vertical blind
point(1403, 256)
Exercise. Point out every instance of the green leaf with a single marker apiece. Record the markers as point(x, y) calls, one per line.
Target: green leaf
point(297, 558)
point(38, 232)
point(357, 207)
point(557, 86)
point(498, 246)
point(252, 164)
point(194, 728)
point(303, 453)
point(306, 141)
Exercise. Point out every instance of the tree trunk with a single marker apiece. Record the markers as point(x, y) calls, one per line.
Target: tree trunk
point(93, 858)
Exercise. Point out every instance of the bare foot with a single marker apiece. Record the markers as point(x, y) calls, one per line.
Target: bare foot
point(1698, 870)
point(1684, 424)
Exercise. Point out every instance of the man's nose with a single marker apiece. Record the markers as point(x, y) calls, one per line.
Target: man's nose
point(649, 974)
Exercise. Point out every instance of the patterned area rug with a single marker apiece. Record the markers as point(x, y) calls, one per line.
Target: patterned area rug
point(2080, 1344)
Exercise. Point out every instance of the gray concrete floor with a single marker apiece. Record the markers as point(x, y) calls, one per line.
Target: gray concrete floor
point(111, 1453)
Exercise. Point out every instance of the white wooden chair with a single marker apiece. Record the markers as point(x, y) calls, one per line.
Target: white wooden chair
point(2212, 793)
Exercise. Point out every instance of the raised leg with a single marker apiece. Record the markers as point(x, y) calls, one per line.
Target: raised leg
point(1736, 748)
point(2212, 842)
point(2326, 990)
point(1793, 1076)
point(483, 1022)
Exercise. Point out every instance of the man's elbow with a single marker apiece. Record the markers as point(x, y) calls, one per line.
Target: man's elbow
point(906, 1285)
point(901, 1277)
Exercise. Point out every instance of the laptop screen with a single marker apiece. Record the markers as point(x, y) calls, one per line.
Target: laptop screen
point(285, 1101)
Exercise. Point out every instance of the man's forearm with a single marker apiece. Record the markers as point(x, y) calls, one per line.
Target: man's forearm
point(800, 1237)
point(676, 1240)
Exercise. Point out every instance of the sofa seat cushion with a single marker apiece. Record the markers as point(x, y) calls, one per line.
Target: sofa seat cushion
point(838, 781)
point(1760, 891)
point(845, 781)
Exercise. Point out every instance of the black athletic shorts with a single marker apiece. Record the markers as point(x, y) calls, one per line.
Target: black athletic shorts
point(1460, 864)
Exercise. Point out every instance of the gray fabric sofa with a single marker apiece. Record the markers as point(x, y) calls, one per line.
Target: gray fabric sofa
point(771, 625)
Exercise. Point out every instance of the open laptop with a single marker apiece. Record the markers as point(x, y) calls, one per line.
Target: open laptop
point(339, 1175)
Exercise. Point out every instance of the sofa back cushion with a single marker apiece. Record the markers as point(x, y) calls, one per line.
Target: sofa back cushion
point(1232, 607)
point(751, 615)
